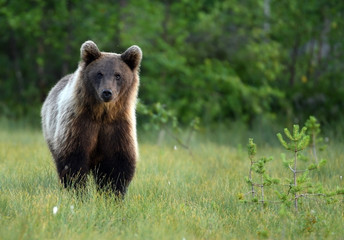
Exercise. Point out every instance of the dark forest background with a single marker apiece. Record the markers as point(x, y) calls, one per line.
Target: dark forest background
point(221, 61)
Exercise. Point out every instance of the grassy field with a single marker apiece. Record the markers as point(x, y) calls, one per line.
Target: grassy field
point(173, 196)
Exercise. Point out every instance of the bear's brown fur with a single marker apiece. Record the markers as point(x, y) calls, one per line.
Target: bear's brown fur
point(88, 119)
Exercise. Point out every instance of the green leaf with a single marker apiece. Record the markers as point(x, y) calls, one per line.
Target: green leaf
point(276, 181)
point(302, 157)
point(287, 163)
point(322, 163)
point(284, 144)
point(303, 132)
point(313, 127)
point(312, 167)
point(296, 134)
point(248, 181)
point(303, 178)
point(281, 195)
point(288, 134)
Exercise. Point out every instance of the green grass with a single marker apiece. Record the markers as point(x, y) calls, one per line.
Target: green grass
point(173, 196)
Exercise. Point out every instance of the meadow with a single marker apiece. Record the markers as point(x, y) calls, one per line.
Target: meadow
point(174, 195)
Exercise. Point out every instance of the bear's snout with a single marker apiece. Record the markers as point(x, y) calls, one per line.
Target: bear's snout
point(106, 95)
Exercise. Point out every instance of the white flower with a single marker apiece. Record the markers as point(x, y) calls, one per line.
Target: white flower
point(55, 209)
point(341, 177)
point(175, 147)
point(169, 183)
point(72, 208)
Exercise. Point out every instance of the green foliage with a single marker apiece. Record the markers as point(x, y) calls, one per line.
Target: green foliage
point(158, 116)
point(313, 130)
point(217, 60)
point(161, 119)
point(251, 148)
point(262, 179)
point(313, 126)
point(259, 166)
point(298, 141)
point(301, 183)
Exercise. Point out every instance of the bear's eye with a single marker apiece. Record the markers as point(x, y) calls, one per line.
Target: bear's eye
point(99, 75)
point(117, 77)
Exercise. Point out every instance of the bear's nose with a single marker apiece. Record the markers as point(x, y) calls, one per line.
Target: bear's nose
point(106, 95)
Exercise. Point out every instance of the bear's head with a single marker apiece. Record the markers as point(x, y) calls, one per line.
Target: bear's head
point(109, 76)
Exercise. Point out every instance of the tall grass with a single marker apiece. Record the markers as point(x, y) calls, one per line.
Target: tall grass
point(174, 195)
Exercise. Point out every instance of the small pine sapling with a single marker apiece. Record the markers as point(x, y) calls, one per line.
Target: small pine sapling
point(252, 150)
point(299, 185)
point(313, 130)
point(265, 179)
point(258, 167)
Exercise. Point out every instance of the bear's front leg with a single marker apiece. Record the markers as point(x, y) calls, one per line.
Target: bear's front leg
point(73, 169)
point(73, 157)
point(115, 172)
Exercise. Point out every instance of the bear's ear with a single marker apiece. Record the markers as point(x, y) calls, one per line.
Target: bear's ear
point(132, 57)
point(89, 52)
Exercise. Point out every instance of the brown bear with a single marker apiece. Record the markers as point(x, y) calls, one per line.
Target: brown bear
point(88, 119)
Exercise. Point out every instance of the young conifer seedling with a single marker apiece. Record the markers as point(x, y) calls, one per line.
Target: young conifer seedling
point(313, 130)
point(252, 150)
point(300, 186)
point(258, 167)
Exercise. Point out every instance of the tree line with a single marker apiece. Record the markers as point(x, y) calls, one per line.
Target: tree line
point(218, 60)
